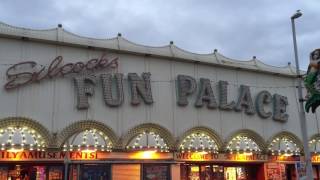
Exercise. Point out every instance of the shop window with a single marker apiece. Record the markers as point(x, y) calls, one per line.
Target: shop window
point(283, 146)
point(193, 172)
point(198, 142)
point(25, 171)
point(316, 172)
point(21, 138)
point(88, 140)
point(202, 172)
point(148, 140)
point(156, 172)
point(55, 173)
point(3, 172)
point(89, 171)
point(218, 172)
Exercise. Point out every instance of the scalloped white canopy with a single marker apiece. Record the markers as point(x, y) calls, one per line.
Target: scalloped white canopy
point(148, 140)
point(90, 139)
point(61, 36)
point(21, 138)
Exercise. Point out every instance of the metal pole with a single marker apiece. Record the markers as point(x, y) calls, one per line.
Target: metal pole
point(66, 167)
point(302, 113)
point(66, 163)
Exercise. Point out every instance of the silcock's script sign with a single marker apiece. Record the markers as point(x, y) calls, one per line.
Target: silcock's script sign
point(28, 72)
point(140, 87)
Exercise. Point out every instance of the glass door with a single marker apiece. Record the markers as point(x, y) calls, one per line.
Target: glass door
point(55, 172)
point(193, 172)
point(205, 172)
point(230, 173)
point(89, 172)
point(156, 172)
point(217, 172)
point(202, 172)
point(93, 172)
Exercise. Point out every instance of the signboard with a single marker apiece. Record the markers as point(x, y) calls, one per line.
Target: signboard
point(202, 156)
point(43, 155)
point(275, 171)
point(81, 155)
point(85, 80)
point(315, 159)
point(29, 72)
point(284, 158)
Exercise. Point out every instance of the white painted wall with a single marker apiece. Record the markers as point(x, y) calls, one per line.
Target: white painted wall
point(53, 102)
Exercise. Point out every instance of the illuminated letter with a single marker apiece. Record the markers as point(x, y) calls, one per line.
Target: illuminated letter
point(109, 99)
point(279, 108)
point(83, 90)
point(140, 87)
point(245, 100)
point(186, 86)
point(206, 94)
point(264, 97)
point(223, 96)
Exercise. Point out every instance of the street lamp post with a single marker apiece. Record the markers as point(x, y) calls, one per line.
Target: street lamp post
point(302, 113)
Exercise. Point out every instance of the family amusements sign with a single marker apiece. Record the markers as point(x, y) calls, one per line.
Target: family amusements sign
point(140, 87)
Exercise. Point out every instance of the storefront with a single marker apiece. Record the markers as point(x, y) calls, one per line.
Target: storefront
point(316, 166)
point(221, 166)
point(284, 154)
point(200, 158)
point(314, 145)
point(32, 171)
point(85, 165)
point(75, 108)
point(86, 154)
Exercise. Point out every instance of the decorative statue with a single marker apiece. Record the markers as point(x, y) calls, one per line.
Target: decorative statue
point(312, 82)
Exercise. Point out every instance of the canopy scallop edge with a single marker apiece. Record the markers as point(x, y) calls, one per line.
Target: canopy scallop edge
point(61, 36)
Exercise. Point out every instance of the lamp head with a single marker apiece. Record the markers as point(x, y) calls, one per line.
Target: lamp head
point(296, 15)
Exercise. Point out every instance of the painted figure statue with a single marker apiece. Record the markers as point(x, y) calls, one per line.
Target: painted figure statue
point(312, 82)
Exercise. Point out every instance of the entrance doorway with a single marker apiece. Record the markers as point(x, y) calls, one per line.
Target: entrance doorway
point(89, 172)
point(219, 172)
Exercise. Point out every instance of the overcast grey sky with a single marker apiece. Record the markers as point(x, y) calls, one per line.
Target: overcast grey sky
point(239, 29)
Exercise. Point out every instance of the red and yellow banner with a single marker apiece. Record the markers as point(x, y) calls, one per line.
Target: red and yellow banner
point(82, 155)
point(44, 155)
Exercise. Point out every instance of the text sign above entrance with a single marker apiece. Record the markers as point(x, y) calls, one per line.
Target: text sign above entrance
point(202, 156)
point(81, 155)
point(44, 155)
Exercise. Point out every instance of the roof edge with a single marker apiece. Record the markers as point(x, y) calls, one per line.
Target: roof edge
point(60, 36)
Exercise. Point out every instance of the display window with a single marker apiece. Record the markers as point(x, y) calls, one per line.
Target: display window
point(156, 172)
point(218, 172)
point(290, 172)
point(29, 172)
point(89, 171)
point(316, 172)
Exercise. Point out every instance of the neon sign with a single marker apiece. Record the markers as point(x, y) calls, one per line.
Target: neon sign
point(32, 73)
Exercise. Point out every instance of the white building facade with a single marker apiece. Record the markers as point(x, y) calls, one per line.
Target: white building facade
point(75, 107)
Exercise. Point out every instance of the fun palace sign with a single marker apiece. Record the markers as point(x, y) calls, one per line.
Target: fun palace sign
point(86, 75)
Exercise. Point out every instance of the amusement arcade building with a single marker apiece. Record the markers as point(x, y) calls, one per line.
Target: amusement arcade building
point(85, 108)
